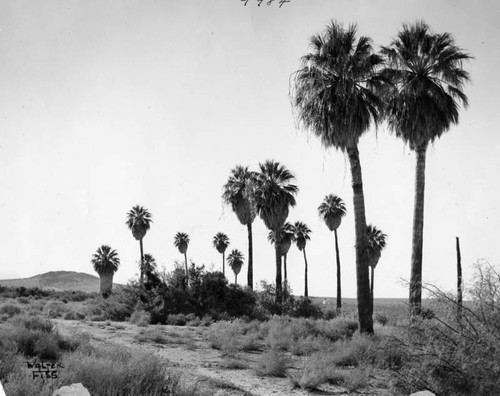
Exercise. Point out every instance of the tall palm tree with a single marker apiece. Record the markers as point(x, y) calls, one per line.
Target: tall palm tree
point(181, 242)
point(331, 210)
point(235, 261)
point(274, 195)
point(286, 237)
point(106, 262)
point(336, 97)
point(139, 221)
point(427, 73)
point(302, 232)
point(221, 242)
point(239, 193)
point(376, 243)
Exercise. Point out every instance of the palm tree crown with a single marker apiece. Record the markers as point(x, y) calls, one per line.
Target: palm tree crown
point(221, 242)
point(426, 71)
point(332, 210)
point(274, 194)
point(148, 264)
point(376, 241)
point(301, 237)
point(286, 237)
point(235, 261)
point(334, 91)
point(138, 221)
point(105, 260)
point(181, 241)
point(238, 192)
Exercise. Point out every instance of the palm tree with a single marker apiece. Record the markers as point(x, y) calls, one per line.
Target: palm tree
point(239, 193)
point(336, 97)
point(106, 262)
point(428, 79)
point(301, 237)
point(274, 195)
point(221, 242)
point(181, 242)
point(331, 210)
point(376, 243)
point(139, 221)
point(148, 268)
point(235, 261)
point(286, 237)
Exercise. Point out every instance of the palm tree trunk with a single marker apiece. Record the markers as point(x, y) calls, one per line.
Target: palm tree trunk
point(339, 283)
point(459, 279)
point(362, 274)
point(371, 288)
point(235, 279)
point(106, 283)
point(285, 291)
point(223, 263)
point(186, 264)
point(418, 231)
point(250, 257)
point(142, 262)
point(279, 289)
point(306, 291)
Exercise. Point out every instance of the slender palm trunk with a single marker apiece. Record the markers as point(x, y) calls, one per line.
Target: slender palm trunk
point(224, 263)
point(285, 283)
point(250, 257)
point(339, 283)
point(142, 262)
point(279, 288)
point(362, 273)
point(459, 279)
point(306, 291)
point(186, 264)
point(418, 231)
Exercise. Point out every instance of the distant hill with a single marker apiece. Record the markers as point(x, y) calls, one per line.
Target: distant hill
point(57, 280)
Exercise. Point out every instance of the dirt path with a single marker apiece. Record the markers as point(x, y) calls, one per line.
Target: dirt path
point(200, 365)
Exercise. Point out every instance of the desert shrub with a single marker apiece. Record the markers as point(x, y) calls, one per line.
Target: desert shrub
point(10, 310)
point(176, 320)
point(140, 318)
point(456, 352)
point(36, 323)
point(8, 354)
point(318, 369)
point(115, 370)
point(272, 363)
point(23, 300)
point(381, 318)
point(55, 309)
point(151, 335)
point(231, 337)
point(117, 307)
point(354, 380)
point(307, 345)
point(305, 308)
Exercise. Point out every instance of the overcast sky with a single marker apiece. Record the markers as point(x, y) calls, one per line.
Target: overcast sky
point(106, 105)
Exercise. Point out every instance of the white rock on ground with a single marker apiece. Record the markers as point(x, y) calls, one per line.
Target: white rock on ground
point(423, 393)
point(72, 390)
point(2, 392)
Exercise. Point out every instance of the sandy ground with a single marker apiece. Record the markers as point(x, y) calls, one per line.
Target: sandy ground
point(205, 368)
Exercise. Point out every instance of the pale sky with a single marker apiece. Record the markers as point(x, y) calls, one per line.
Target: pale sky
point(106, 105)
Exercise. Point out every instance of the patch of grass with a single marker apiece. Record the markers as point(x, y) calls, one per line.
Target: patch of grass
point(176, 319)
point(140, 318)
point(10, 310)
point(231, 337)
point(151, 335)
point(272, 363)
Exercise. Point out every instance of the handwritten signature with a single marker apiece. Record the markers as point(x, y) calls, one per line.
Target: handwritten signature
point(267, 2)
point(44, 370)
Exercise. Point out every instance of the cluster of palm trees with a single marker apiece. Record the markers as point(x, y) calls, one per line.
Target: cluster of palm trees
point(344, 87)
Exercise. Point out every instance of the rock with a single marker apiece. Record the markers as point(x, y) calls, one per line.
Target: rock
point(2, 392)
point(72, 390)
point(423, 393)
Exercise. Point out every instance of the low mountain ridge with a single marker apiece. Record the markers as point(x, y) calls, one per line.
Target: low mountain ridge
point(57, 280)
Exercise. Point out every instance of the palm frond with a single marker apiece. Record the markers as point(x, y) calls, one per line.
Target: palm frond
point(105, 260)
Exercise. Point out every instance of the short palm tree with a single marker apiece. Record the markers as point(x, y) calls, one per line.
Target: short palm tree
point(274, 195)
point(235, 261)
point(181, 242)
point(332, 210)
point(337, 96)
point(221, 242)
point(302, 232)
point(427, 73)
point(376, 243)
point(286, 237)
point(106, 262)
point(239, 193)
point(139, 221)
